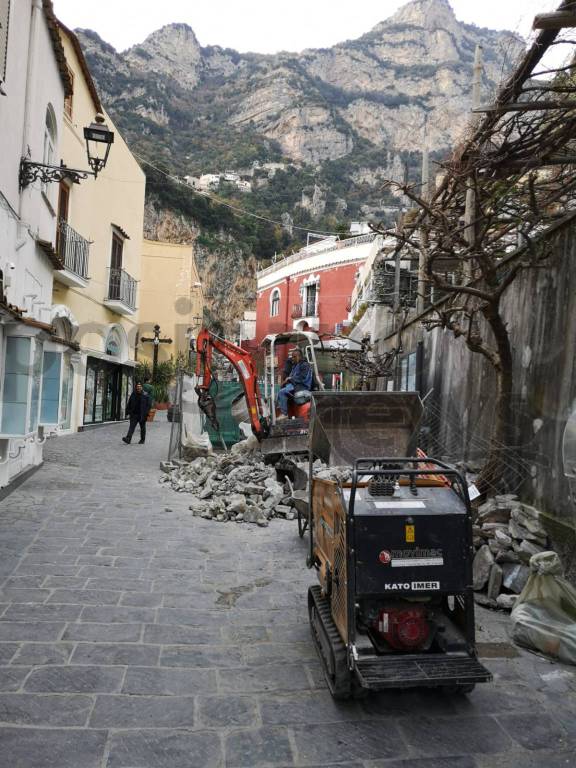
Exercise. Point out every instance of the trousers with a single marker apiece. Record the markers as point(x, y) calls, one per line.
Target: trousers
point(134, 420)
point(283, 395)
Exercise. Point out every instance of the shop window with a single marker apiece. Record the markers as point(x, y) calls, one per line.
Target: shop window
point(50, 407)
point(275, 303)
point(22, 381)
point(66, 395)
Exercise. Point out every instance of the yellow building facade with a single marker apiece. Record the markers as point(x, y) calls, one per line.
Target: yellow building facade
point(96, 295)
point(171, 297)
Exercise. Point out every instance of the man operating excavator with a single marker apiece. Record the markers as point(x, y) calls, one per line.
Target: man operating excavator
point(299, 377)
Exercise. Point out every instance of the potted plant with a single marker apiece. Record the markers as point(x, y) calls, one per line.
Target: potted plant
point(161, 379)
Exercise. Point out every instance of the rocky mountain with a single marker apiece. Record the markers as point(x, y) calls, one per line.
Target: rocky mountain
point(335, 122)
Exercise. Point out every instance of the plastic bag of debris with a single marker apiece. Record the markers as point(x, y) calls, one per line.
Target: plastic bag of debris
point(544, 618)
point(194, 442)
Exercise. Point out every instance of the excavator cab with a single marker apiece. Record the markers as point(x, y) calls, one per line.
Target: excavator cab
point(277, 348)
point(289, 435)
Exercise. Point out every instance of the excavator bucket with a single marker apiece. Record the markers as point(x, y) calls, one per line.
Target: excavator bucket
point(346, 426)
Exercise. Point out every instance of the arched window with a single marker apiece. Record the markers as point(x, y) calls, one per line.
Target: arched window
point(275, 302)
point(50, 136)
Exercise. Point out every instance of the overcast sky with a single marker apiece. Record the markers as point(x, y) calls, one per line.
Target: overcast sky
point(267, 26)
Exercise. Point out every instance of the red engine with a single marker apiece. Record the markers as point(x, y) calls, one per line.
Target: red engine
point(404, 628)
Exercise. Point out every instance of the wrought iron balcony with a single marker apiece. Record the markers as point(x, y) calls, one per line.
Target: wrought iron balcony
point(73, 251)
point(121, 292)
point(305, 310)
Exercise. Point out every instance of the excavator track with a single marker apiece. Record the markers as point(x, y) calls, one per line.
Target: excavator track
point(329, 644)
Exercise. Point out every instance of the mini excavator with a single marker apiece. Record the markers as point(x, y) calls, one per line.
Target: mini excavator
point(289, 436)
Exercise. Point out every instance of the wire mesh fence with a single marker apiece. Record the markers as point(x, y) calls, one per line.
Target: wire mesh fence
point(465, 441)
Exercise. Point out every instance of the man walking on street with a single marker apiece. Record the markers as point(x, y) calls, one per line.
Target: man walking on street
point(139, 404)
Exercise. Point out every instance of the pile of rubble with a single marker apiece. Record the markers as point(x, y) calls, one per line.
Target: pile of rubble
point(234, 486)
point(506, 535)
point(240, 487)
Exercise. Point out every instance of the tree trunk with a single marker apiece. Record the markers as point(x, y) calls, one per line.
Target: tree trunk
point(494, 473)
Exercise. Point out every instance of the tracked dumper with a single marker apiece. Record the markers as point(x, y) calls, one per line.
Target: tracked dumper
point(393, 551)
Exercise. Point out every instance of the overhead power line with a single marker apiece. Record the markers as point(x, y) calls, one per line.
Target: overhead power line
point(234, 208)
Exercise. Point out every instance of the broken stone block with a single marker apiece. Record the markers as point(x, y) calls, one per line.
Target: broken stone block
point(490, 512)
point(290, 516)
point(507, 556)
point(530, 520)
point(494, 582)
point(167, 466)
point(486, 602)
point(517, 531)
point(197, 506)
point(253, 515)
point(526, 549)
point(282, 510)
point(515, 577)
point(506, 601)
point(502, 538)
point(481, 566)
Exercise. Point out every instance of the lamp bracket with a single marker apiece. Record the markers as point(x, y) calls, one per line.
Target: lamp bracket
point(31, 172)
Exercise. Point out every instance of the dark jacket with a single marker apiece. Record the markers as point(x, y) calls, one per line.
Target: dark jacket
point(301, 376)
point(139, 406)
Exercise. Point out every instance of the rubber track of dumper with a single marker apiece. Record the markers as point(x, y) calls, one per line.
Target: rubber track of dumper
point(339, 683)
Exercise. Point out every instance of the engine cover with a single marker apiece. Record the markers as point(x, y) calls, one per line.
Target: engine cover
point(404, 628)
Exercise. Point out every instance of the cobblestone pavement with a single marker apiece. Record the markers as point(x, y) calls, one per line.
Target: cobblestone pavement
point(133, 635)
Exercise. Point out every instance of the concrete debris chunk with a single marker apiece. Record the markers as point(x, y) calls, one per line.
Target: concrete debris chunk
point(490, 512)
point(506, 602)
point(515, 577)
point(481, 566)
point(494, 582)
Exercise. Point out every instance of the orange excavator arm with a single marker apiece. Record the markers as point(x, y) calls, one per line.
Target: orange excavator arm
point(206, 343)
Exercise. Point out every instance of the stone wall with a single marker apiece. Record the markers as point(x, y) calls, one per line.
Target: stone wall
point(541, 313)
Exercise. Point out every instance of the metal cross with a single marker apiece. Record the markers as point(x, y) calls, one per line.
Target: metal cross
point(156, 341)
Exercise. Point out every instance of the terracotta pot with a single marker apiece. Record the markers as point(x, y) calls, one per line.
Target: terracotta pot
point(151, 414)
point(162, 406)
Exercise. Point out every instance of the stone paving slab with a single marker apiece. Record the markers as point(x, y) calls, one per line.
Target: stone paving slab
point(133, 635)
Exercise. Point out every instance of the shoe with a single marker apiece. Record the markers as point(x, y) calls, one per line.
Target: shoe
point(140, 442)
point(283, 417)
point(125, 440)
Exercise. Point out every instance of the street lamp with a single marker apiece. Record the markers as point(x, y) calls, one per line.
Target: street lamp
point(99, 139)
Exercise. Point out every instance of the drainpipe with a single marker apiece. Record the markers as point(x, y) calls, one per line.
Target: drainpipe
point(287, 312)
point(30, 81)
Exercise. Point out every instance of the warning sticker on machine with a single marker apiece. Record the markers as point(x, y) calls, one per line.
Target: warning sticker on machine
point(413, 562)
point(415, 558)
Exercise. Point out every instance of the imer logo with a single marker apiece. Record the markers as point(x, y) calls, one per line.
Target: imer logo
point(414, 586)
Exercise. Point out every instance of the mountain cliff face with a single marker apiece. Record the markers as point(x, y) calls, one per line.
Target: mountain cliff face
point(338, 121)
point(317, 105)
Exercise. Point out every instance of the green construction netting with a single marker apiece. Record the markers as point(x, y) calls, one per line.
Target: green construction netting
point(227, 392)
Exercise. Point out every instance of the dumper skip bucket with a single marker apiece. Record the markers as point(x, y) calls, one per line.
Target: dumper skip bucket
point(346, 426)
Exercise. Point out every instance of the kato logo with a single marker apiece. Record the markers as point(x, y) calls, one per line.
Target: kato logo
point(385, 557)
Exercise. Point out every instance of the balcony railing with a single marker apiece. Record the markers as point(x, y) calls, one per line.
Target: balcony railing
point(331, 245)
point(73, 249)
point(304, 310)
point(122, 287)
